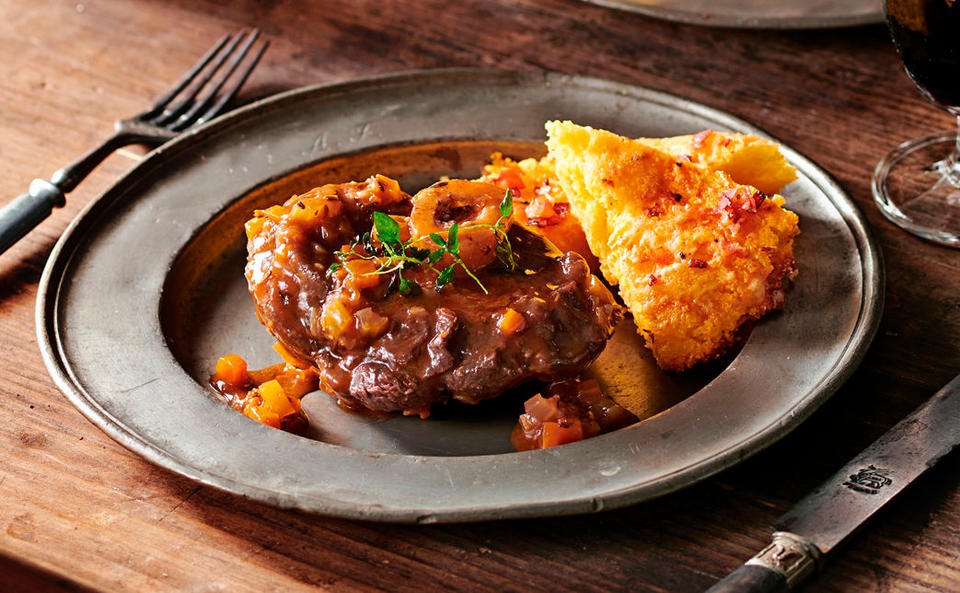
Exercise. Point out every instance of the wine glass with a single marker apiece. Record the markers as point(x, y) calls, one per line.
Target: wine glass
point(917, 185)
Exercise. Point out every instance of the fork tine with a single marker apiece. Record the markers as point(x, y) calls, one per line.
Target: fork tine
point(232, 91)
point(185, 80)
point(171, 112)
point(187, 119)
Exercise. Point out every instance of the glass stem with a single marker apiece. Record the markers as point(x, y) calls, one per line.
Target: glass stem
point(949, 167)
point(954, 157)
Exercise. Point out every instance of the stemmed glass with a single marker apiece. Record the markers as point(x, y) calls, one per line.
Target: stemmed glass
point(917, 185)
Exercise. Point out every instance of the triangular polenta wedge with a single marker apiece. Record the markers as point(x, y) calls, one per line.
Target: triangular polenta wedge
point(748, 160)
point(695, 254)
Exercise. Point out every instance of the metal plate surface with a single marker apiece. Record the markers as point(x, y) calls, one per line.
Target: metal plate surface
point(145, 290)
point(757, 14)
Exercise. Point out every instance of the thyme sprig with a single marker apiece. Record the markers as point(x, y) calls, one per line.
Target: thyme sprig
point(393, 256)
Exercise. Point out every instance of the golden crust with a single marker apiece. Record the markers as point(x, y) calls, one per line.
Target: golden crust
point(695, 254)
point(748, 159)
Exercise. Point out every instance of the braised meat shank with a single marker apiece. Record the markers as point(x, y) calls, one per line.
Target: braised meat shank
point(407, 339)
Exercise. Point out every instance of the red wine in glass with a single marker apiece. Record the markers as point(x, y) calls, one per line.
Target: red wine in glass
point(927, 35)
point(917, 185)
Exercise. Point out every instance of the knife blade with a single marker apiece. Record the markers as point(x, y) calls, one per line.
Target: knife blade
point(810, 530)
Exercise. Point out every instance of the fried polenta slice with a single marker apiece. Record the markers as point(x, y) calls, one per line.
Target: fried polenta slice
point(696, 255)
point(748, 159)
point(541, 203)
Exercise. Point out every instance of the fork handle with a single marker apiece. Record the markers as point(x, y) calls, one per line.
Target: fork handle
point(28, 210)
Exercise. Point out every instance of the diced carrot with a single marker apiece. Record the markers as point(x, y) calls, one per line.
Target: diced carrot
point(362, 273)
point(335, 317)
point(556, 434)
point(262, 415)
point(275, 400)
point(511, 177)
point(232, 370)
point(512, 322)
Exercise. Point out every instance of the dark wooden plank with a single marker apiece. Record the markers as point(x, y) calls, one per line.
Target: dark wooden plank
point(76, 504)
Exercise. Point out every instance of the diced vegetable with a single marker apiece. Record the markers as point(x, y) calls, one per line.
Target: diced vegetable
point(540, 208)
point(335, 317)
point(555, 433)
point(273, 398)
point(232, 370)
point(362, 273)
point(542, 409)
point(510, 177)
point(270, 395)
point(512, 322)
point(574, 410)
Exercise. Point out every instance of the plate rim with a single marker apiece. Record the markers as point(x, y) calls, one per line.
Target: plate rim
point(742, 22)
point(845, 365)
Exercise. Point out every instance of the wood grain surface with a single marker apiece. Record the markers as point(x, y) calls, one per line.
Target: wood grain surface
point(78, 512)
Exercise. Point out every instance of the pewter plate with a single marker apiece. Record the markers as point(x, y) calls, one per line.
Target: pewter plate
point(757, 14)
point(145, 290)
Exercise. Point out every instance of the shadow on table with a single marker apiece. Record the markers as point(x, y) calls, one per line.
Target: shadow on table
point(21, 267)
point(18, 578)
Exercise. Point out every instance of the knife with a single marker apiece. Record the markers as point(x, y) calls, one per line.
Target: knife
point(807, 533)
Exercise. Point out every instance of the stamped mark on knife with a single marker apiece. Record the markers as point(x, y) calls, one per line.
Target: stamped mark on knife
point(869, 480)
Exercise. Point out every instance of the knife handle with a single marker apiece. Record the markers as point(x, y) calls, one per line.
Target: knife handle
point(778, 568)
point(751, 578)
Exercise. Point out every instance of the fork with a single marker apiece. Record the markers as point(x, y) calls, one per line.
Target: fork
point(196, 98)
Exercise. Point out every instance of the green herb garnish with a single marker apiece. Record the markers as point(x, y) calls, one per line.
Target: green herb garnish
point(506, 206)
point(395, 256)
point(446, 276)
point(388, 231)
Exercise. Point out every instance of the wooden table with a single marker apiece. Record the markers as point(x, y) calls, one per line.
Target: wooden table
point(78, 511)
